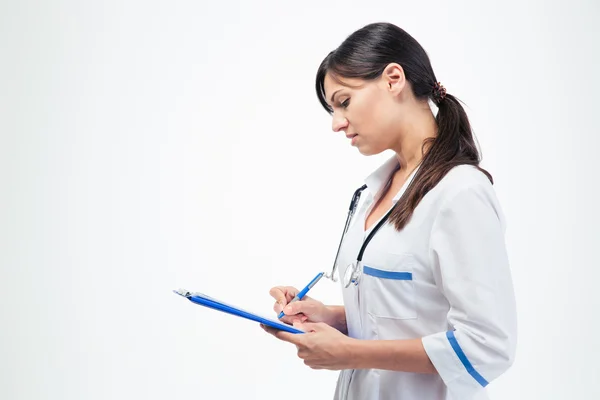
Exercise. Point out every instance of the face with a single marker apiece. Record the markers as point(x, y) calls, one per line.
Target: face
point(368, 112)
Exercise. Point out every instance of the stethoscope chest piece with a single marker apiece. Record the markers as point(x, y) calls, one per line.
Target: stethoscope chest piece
point(352, 274)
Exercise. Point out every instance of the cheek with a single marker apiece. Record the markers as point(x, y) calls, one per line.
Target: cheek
point(377, 126)
point(364, 118)
point(386, 119)
point(383, 113)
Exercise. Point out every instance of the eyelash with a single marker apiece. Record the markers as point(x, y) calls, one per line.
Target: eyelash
point(345, 103)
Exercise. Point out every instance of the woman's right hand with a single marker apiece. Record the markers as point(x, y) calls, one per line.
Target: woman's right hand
point(307, 309)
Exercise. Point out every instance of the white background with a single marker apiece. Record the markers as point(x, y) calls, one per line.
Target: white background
point(147, 146)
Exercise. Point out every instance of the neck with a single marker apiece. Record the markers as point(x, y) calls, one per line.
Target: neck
point(409, 147)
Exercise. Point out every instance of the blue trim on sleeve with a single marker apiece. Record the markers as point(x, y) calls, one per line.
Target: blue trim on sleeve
point(401, 276)
point(463, 358)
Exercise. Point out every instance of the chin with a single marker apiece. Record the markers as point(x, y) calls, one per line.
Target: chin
point(368, 151)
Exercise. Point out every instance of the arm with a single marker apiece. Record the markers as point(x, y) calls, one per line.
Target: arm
point(471, 268)
point(337, 318)
point(327, 348)
point(394, 355)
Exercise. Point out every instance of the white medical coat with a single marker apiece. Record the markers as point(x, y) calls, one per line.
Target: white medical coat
point(444, 278)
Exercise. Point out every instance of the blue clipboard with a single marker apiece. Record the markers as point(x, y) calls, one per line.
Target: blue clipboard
point(207, 301)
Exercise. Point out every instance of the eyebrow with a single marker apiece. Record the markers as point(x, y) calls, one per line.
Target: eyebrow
point(333, 95)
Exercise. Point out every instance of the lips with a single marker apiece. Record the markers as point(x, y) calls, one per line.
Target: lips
point(353, 137)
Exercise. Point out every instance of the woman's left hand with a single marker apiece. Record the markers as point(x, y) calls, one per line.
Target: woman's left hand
point(321, 347)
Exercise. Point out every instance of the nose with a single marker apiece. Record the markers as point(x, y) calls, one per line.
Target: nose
point(339, 123)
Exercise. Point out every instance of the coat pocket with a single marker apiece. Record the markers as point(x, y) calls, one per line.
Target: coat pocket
point(391, 288)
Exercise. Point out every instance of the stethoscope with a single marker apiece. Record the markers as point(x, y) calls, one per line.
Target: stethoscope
point(354, 270)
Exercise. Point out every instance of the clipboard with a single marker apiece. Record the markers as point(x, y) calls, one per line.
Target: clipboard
point(210, 302)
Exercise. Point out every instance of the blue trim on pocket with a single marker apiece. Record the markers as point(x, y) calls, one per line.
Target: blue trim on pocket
point(401, 276)
point(463, 358)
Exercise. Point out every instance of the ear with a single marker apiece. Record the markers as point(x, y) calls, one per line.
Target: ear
point(394, 79)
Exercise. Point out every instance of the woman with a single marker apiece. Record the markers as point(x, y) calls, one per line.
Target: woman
point(429, 310)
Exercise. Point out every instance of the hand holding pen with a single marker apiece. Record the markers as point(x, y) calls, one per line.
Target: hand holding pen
point(293, 305)
point(303, 292)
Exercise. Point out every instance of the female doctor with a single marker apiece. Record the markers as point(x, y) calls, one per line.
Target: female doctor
point(429, 311)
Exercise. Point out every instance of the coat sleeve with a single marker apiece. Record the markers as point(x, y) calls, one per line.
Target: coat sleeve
point(471, 268)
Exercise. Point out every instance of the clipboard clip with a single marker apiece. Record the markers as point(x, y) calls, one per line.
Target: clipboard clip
point(188, 294)
point(184, 293)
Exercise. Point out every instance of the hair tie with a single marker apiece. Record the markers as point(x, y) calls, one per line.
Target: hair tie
point(439, 92)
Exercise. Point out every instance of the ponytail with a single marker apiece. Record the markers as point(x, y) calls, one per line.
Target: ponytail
point(454, 145)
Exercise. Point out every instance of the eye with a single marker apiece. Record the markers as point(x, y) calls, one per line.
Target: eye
point(345, 103)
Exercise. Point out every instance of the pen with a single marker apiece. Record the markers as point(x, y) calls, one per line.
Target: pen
point(303, 292)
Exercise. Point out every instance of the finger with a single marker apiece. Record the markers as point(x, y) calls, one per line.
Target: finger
point(273, 331)
point(299, 318)
point(278, 294)
point(277, 307)
point(268, 329)
point(283, 294)
point(289, 337)
point(291, 292)
point(288, 318)
point(282, 335)
point(313, 366)
point(312, 326)
point(303, 326)
point(302, 306)
point(291, 319)
point(294, 319)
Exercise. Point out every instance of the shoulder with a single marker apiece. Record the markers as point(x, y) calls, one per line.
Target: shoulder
point(464, 176)
point(464, 183)
point(468, 191)
point(460, 179)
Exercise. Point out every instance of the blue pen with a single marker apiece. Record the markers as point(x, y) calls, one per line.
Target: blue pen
point(303, 292)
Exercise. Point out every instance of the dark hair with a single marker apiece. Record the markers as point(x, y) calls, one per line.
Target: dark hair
point(365, 54)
